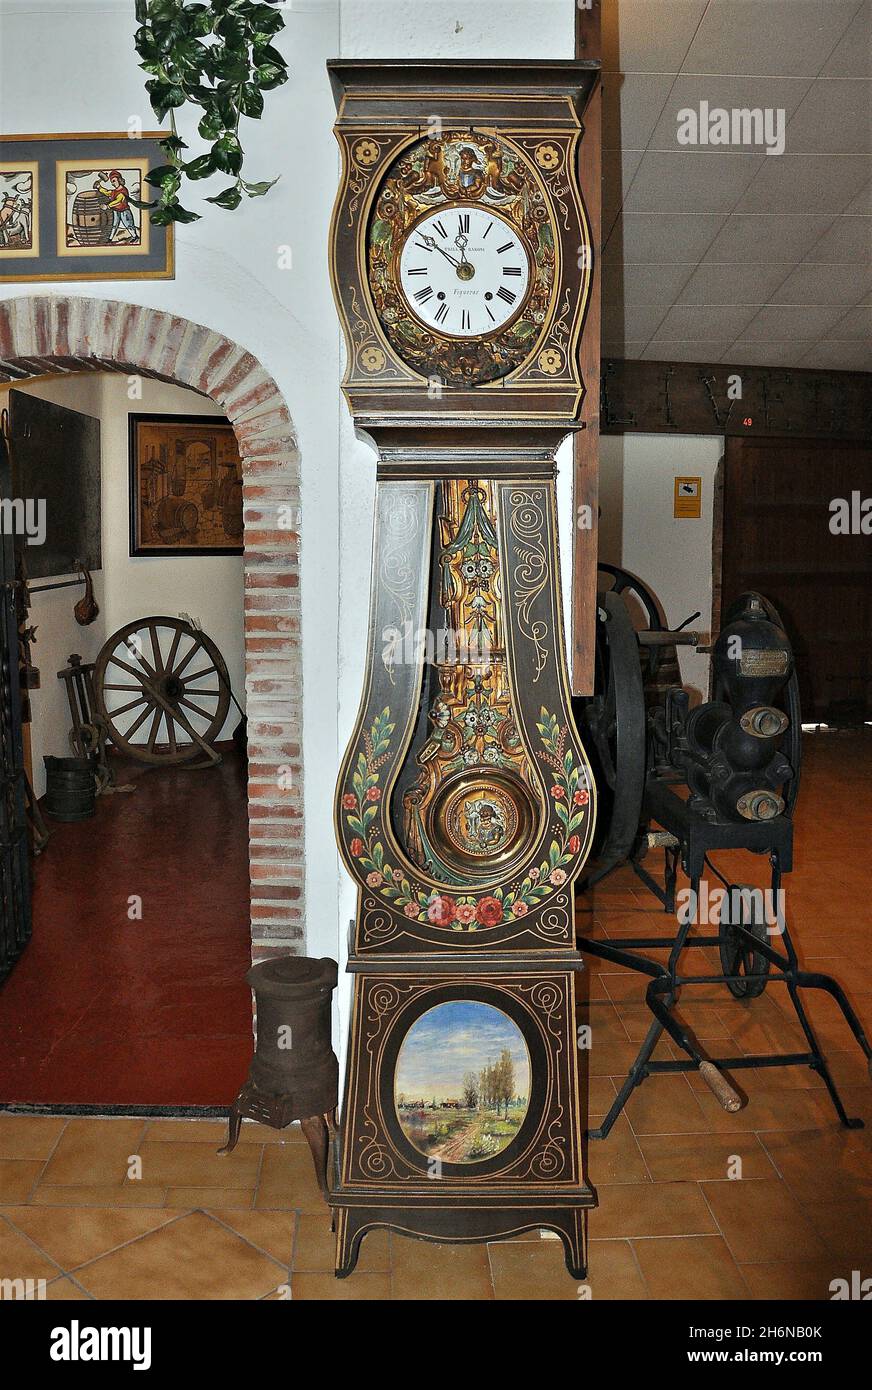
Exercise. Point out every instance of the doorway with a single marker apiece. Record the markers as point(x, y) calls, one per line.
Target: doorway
point(779, 537)
point(112, 1028)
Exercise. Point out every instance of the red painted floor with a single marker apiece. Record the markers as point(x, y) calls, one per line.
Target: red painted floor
point(102, 1009)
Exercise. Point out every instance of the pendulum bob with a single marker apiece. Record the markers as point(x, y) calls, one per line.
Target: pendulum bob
point(294, 1074)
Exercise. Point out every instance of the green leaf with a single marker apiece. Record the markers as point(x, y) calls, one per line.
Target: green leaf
point(164, 97)
point(140, 10)
point(230, 199)
point(201, 167)
point(227, 155)
point(269, 75)
point(251, 100)
point(173, 213)
point(257, 190)
point(211, 125)
point(156, 176)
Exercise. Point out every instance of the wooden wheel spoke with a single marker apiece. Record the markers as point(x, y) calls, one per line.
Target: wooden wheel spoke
point(155, 727)
point(204, 714)
point(177, 637)
point(212, 694)
point(122, 687)
point(155, 649)
point(190, 656)
point(131, 670)
point(122, 709)
point(140, 719)
point(195, 675)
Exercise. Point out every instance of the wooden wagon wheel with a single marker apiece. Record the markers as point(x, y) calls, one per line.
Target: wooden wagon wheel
point(162, 676)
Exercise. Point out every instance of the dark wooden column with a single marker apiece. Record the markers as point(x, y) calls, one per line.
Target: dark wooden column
point(588, 44)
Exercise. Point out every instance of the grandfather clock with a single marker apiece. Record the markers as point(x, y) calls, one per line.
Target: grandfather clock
point(460, 258)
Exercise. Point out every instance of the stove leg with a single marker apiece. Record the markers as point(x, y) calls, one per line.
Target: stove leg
point(234, 1127)
point(318, 1137)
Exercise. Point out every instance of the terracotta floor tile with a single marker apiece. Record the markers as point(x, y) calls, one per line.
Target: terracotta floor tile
point(666, 1105)
point(94, 1151)
point(618, 1157)
point(767, 1109)
point(424, 1270)
point(29, 1136)
point(627, 1210)
point(817, 1167)
point(271, 1232)
point(326, 1288)
point(691, 1267)
point(17, 1179)
point(215, 1132)
point(232, 1198)
point(603, 1021)
point(701, 1157)
point(21, 1259)
point(65, 1291)
point(844, 1227)
point(131, 1194)
point(287, 1180)
point(169, 1164)
point(315, 1247)
point(532, 1272)
point(761, 1221)
point(192, 1257)
point(73, 1236)
point(800, 1280)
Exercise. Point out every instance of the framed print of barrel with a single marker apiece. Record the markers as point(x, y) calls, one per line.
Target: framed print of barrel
point(70, 208)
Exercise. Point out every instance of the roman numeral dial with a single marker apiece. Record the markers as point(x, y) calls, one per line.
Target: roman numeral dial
point(464, 271)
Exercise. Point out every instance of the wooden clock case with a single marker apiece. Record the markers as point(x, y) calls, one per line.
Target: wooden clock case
point(465, 803)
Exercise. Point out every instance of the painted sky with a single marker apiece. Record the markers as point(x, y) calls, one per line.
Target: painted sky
point(452, 1039)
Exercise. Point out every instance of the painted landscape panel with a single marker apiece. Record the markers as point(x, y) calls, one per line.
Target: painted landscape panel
point(462, 1082)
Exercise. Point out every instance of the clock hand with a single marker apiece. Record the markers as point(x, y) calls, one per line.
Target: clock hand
point(434, 245)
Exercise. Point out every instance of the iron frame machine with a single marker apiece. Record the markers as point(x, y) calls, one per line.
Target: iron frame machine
point(692, 781)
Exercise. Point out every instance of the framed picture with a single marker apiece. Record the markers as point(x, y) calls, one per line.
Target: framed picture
point(185, 486)
point(68, 208)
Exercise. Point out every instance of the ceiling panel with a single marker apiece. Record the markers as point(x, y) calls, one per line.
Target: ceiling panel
point(632, 104)
point(686, 181)
point(665, 236)
point(749, 237)
point(825, 284)
point(847, 239)
point(792, 322)
point(649, 35)
point(726, 251)
point(745, 93)
point(706, 321)
point(852, 56)
point(790, 183)
point(643, 284)
point(834, 118)
point(782, 38)
point(749, 283)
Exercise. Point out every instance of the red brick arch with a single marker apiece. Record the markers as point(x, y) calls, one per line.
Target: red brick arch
point(53, 334)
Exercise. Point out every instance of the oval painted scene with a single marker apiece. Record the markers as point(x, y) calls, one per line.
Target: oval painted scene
point(462, 1082)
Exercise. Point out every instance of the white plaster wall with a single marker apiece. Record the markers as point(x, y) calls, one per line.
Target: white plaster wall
point(227, 277)
point(638, 529)
point(209, 588)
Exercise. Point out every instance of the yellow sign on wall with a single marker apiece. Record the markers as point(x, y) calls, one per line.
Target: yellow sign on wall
point(688, 498)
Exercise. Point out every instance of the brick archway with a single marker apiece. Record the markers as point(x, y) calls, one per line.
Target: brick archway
point(49, 334)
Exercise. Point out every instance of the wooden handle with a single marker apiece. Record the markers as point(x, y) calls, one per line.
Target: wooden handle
point(720, 1087)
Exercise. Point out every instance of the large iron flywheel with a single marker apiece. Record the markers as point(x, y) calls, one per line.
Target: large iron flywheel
point(162, 687)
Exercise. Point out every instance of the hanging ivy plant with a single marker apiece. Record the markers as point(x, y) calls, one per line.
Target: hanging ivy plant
point(220, 57)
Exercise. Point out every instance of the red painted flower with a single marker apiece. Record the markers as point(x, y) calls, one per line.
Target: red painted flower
point(349, 802)
point(374, 880)
point(412, 910)
point(489, 911)
point(557, 876)
point(520, 909)
point(466, 913)
point(442, 911)
point(373, 794)
point(356, 846)
point(581, 798)
point(574, 844)
point(557, 792)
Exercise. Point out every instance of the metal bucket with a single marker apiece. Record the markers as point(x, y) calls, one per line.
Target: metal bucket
point(71, 787)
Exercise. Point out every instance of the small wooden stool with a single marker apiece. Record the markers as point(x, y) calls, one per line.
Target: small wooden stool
point(294, 1074)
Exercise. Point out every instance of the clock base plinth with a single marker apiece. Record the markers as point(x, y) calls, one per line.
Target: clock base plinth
point(495, 1217)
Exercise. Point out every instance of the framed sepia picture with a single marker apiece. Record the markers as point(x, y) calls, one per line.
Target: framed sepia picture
point(185, 486)
point(68, 208)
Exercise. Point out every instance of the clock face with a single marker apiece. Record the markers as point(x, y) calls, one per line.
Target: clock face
point(462, 259)
point(464, 271)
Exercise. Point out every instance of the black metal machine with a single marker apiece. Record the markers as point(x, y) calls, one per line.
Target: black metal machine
point(722, 775)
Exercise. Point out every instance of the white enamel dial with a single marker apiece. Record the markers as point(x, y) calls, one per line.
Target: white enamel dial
point(464, 271)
